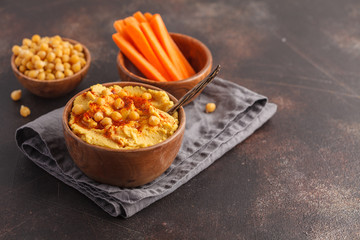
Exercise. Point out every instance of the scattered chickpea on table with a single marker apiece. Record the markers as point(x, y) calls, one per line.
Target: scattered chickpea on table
point(24, 111)
point(210, 107)
point(16, 95)
point(48, 58)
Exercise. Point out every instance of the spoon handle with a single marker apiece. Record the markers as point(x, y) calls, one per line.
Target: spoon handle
point(200, 86)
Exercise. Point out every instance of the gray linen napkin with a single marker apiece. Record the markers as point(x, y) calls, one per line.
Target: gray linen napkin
point(207, 137)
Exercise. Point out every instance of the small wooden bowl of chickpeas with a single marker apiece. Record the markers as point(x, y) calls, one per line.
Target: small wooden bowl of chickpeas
point(50, 66)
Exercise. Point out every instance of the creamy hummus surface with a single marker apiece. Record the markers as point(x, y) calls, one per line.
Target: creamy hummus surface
point(122, 117)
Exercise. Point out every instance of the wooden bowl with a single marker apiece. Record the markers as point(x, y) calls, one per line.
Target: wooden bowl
point(53, 88)
point(198, 55)
point(123, 167)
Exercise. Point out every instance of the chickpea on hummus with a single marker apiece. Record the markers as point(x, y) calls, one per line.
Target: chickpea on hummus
point(123, 118)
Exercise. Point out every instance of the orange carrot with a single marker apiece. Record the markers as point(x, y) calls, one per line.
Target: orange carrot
point(160, 52)
point(131, 20)
point(187, 65)
point(174, 53)
point(140, 17)
point(144, 47)
point(137, 59)
point(148, 16)
point(119, 26)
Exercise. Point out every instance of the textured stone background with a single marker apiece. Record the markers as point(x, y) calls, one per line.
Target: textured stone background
point(295, 178)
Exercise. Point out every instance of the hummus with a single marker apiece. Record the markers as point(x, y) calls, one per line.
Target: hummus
point(122, 118)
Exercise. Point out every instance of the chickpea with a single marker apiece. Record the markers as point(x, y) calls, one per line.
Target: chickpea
point(123, 93)
point(59, 75)
point(39, 64)
point(57, 60)
point(18, 61)
point(92, 124)
point(58, 52)
point(41, 76)
point(28, 55)
point(78, 47)
point(59, 67)
point(16, 50)
point(50, 66)
point(109, 99)
point(68, 72)
point(44, 47)
point(35, 58)
point(210, 107)
point(57, 37)
point(29, 65)
point(26, 42)
point(42, 54)
point(35, 38)
point(146, 96)
point(67, 65)
point(116, 89)
point(24, 61)
point(116, 116)
point(154, 120)
point(119, 103)
point(134, 115)
point(33, 73)
point(90, 96)
point(124, 113)
point(65, 58)
point(82, 62)
point(16, 95)
point(106, 92)
point(106, 121)
point(74, 59)
point(24, 111)
point(22, 52)
point(49, 76)
point(76, 67)
point(51, 56)
point(75, 52)
point(66, 51)
point(98, 116)
point(22, 68)
point(78, 109)
point(100, 101)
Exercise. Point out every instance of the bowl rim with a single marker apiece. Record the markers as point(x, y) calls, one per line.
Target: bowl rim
point(179, 130)
point(189, 79)
point(72, 41)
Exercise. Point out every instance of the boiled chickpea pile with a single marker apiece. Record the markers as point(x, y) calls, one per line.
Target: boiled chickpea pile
point(48, 58)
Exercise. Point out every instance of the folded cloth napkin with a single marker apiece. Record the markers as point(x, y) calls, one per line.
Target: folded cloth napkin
point(207, 137)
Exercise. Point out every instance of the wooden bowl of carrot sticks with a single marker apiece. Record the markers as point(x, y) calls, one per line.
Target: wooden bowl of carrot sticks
point(150, 54)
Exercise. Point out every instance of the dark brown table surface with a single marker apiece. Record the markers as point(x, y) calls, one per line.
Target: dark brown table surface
point(297, 177)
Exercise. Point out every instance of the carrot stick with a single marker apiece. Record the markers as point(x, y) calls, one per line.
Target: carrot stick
point(187, 65)
point(160, 52)
point(131, 20)
point(137, 59)
point(148, 16)
point(139, 17)
point(161, 32)
point(144, 47)
point(119, 26)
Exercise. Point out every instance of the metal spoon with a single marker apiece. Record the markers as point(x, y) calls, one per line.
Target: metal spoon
point(200, 86)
